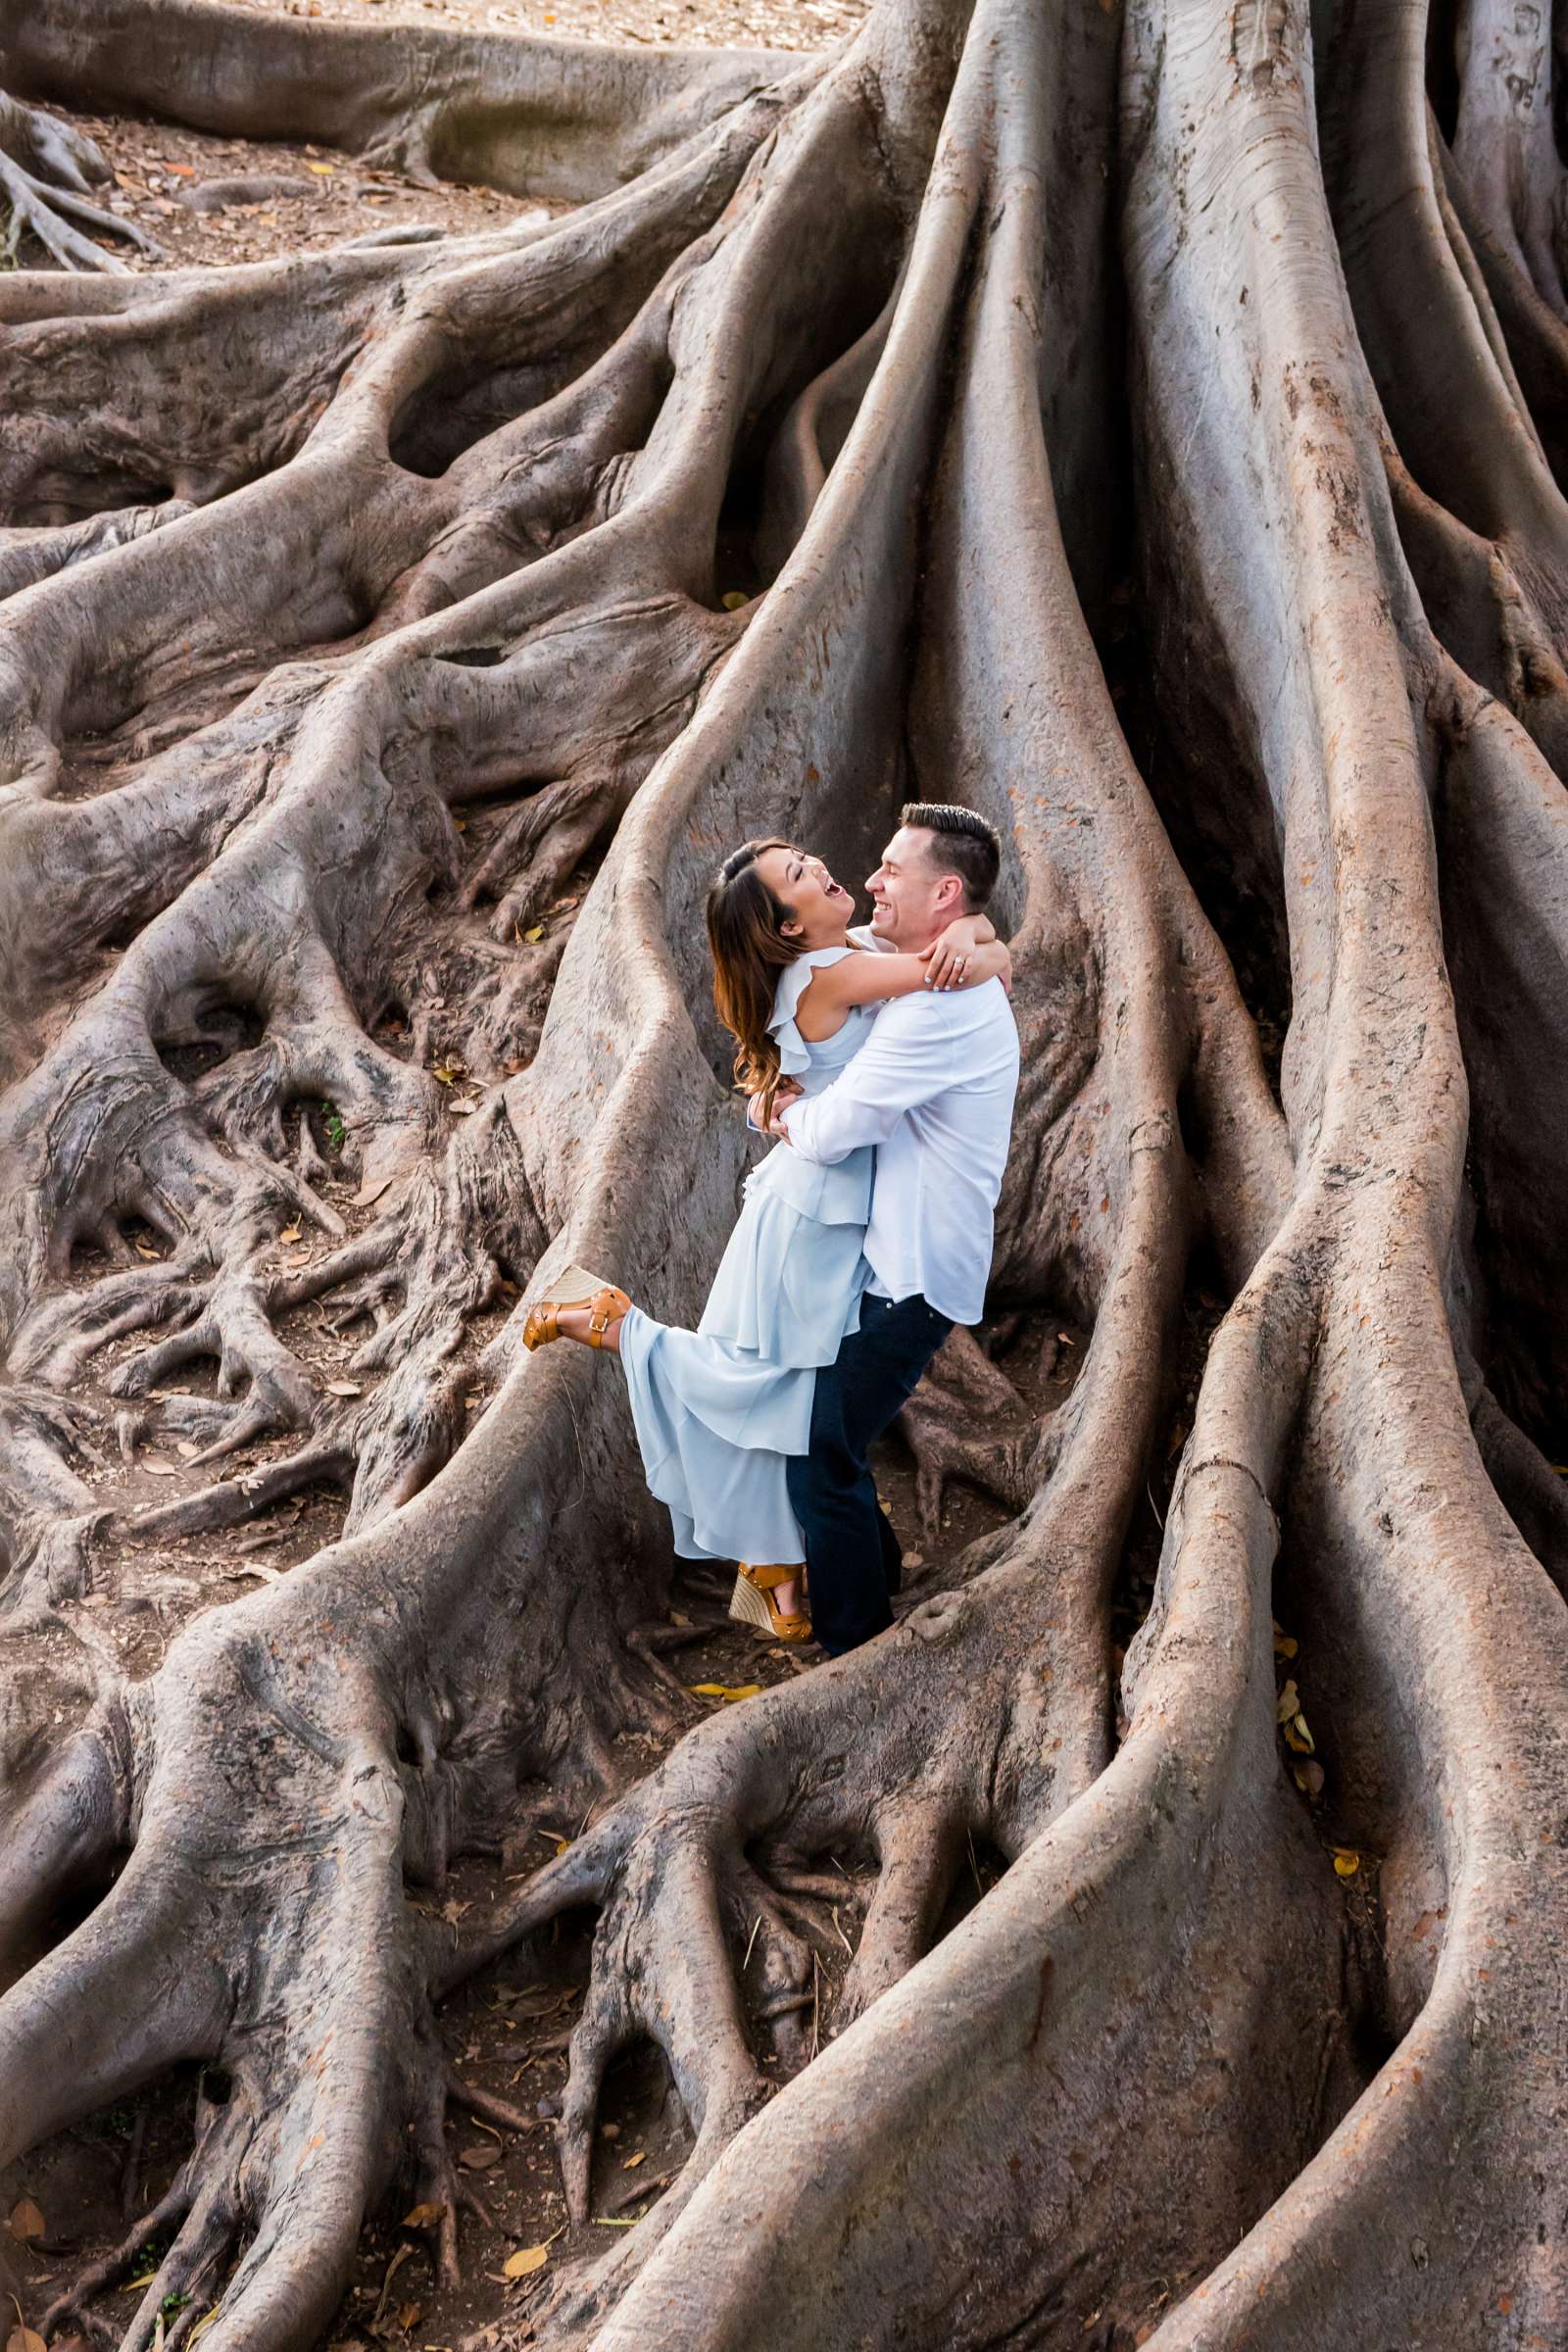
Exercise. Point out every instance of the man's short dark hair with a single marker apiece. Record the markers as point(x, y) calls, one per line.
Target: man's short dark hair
point(968, 847)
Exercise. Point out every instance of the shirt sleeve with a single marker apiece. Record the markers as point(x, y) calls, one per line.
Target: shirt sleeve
point(905, 1062)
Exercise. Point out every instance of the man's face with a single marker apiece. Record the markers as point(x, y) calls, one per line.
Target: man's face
point(912, 899)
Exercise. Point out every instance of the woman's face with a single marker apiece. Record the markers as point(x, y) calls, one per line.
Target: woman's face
point(818, 907)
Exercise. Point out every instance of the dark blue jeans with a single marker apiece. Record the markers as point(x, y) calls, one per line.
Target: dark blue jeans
point(851, 1553)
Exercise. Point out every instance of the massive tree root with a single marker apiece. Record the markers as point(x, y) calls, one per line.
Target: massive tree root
point(391, 642)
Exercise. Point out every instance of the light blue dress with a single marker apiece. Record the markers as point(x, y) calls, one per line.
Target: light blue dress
point(719, 1409)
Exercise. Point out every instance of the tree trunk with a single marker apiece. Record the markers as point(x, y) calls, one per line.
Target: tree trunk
point(1138, 427)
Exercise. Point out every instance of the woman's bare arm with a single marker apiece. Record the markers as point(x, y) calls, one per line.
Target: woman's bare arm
point(869, 977)
point(950, 953)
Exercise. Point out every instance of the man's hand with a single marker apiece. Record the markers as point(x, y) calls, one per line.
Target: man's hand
point(787, 1094)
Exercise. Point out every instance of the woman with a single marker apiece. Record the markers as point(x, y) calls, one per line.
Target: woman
point(719, 1409)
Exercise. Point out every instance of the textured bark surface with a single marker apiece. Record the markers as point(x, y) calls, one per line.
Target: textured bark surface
point(1149, 427)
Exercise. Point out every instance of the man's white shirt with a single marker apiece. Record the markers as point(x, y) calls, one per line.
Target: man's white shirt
point(933, 1089)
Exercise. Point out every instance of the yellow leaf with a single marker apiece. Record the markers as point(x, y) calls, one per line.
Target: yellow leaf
point(25, 2219)
point(525, 2260)
point(632, 2161)
point(1346, 1863)
point(422, 2216)
point(290, 1233)
point(734, 598)
point(321, 171)
point(202, 2324)
point(1299, 1737)
point(535, 932)
point(1286, 1703)
point(724, 1690)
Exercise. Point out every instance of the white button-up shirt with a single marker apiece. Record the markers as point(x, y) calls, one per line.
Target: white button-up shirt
point(933, 1089)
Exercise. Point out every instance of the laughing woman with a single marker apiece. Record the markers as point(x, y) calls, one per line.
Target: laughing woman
point(719, 1410)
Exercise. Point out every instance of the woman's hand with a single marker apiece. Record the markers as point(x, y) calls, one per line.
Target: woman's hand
point(967, 952)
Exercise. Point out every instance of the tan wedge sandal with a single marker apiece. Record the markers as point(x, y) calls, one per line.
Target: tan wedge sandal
point(577, 1288)
point(753, 1602)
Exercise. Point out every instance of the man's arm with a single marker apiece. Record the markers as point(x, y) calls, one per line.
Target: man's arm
point(906, 1060)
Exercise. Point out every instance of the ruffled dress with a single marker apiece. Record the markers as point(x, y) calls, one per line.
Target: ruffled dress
point(719, 1410)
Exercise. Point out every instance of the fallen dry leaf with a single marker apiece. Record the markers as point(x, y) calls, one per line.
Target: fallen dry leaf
point(525, 2260)
point(344, 1387)
point(480, 2157)
point(724, 1690)
point(1345, 1862)
point(422, 2216)
point(25, 2219)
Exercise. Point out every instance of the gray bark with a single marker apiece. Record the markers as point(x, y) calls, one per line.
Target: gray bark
point(970, 349)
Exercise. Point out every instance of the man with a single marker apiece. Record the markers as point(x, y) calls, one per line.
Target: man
point(933, 1089)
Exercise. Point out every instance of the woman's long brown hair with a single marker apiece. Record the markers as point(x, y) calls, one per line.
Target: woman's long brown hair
point(745, 933)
